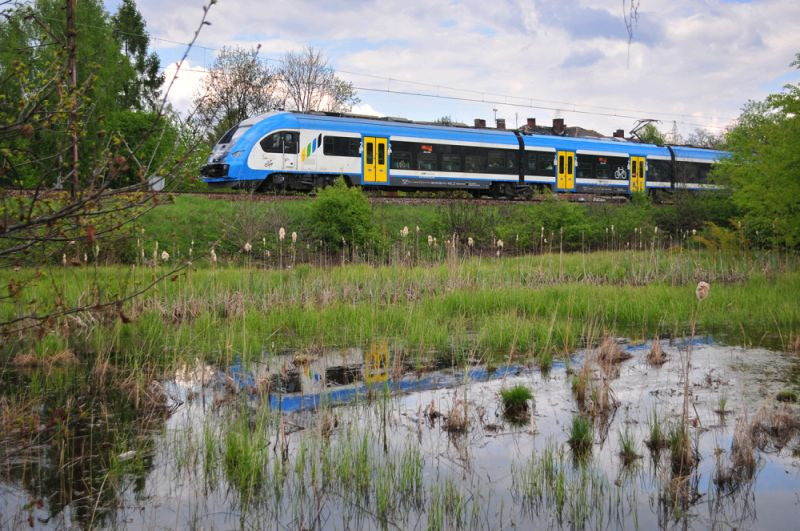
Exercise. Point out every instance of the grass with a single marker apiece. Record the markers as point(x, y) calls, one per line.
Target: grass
point(627, 446)
point(580, 435)
point(489, 306)
point(787, 395)
point(524, 227)
point(516, 401)
point(658, 437)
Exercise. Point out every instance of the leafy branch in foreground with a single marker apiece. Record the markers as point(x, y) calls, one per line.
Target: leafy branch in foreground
point(58, 126)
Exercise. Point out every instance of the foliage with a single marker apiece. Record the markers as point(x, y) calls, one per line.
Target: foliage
point(148, 156)
point(142, 90)
point(342, 215)
point(706, 139)
point(764, 167)
point(651, 135)
point(311, 83)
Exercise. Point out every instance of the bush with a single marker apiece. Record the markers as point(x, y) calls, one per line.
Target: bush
point(341, 215)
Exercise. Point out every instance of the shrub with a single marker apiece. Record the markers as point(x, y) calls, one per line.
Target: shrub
point(343, 216)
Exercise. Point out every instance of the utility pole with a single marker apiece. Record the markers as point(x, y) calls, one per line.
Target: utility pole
point(72, 35)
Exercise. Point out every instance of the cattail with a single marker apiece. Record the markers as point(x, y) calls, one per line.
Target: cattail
point(247, 247)
point(294, 237)
point(701, 292)
point(417, 229)
point(282, 234)
point(430, 240)
point(404, 232)
point(655, 229)
point(164, 256)
point(64, 259)
point(213, 256)
point(499, 244)
point(470, 242)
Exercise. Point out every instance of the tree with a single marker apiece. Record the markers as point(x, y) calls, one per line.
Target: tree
point(706, 139)
point(40, 107)
point(763, 170)
point(650, 134)
point(238, 86)
point(311, 83)
point(142, 90)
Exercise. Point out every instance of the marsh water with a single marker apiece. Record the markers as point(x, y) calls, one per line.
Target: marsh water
point(359, 438)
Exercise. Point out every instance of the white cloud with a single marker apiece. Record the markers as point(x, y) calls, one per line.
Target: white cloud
point(186, 85)
point(367, 109)
point(695, 62)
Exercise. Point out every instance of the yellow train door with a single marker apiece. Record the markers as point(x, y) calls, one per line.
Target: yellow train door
point(382, 160)
point(376, 160)
point(638, 174)
point(566, 171)
point(369, 159)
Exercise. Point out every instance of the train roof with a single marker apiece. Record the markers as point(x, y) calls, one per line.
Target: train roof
point(398, 128)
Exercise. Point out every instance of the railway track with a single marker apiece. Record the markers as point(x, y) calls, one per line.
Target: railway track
point(425, 200)
point(377, 198)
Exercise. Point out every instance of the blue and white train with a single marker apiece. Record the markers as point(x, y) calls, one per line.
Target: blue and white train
point(303, 151)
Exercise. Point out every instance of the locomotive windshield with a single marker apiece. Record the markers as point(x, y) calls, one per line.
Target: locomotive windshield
point(233, 133)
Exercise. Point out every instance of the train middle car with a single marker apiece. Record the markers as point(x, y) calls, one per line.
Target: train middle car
point(301, 151)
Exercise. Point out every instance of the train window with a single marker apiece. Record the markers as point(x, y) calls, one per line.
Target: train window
point(451, 162)
point(659, 170)
point(281, 142)
point(400, 160)
point(495, 161)
point(426, 161)
point(702, 172)
point(687, 172)
point(370, 154)
point(475, 162)
point(569, 165)
point(545, 163)
point(381, 153)
point(341, 146)
point(560, 164)
point(530, 163)
point(585, 165)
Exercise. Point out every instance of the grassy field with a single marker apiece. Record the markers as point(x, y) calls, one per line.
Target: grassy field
point(200, 224)
point(525, 306)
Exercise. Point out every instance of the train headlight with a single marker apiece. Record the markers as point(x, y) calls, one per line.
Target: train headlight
point(237, 154)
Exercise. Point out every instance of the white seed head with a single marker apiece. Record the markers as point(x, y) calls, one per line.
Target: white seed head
point(164, 256)
point(247, 247)
point(470, 242)
point(213, 256)
point(430, 240)
point(294, 237)
point(282, 234)
point(701, 292)
point(64, 259)
point(499, 244)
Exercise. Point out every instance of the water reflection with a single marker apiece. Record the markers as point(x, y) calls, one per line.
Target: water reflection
point(348, 375)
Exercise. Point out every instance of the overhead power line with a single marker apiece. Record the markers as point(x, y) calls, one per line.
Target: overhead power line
point(521, 101)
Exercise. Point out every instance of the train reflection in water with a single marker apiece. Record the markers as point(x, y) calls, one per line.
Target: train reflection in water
point(341, 376)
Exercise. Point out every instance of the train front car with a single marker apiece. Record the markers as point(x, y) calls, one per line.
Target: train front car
point(233, 163)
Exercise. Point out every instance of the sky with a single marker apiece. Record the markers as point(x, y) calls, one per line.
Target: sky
point(691, 62)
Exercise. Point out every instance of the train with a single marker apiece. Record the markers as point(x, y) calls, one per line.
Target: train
point(293, 151)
